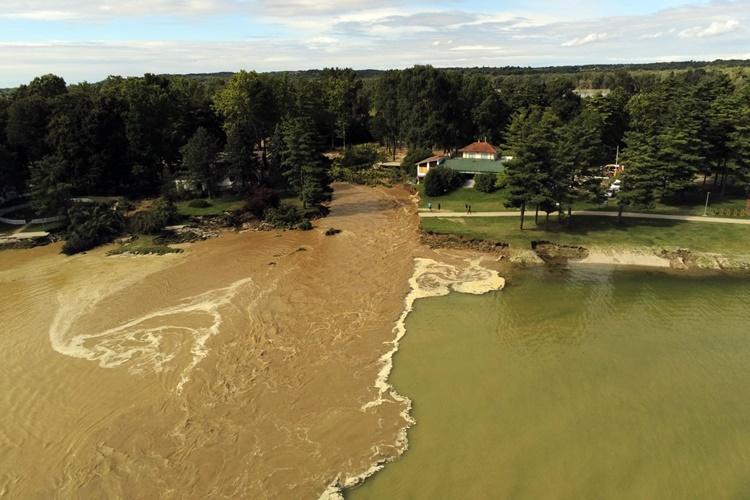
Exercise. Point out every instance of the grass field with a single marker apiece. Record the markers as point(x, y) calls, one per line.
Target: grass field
point(144, 244)
point(457, 200)
point(601, 232)
point(7, 228)
point(221, 205)
point(50, 227)
point(217, 206)
point(693, 203)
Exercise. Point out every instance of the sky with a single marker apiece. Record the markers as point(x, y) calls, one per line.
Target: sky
point(88, 40)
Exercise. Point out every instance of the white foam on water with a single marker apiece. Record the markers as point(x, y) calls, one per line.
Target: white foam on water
point(430, 279)
point(135, 342)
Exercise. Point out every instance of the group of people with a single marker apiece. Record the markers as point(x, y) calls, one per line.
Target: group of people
point(429, 206)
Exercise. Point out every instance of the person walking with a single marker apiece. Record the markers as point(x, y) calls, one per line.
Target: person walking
point(429, 205)
point(438, 207)
point(468, 209)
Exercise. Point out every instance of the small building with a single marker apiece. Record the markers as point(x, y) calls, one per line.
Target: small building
point(425, 165)
point(479, 151)
point(476, 158)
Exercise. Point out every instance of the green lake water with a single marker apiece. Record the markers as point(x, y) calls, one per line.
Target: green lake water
point(582, 383)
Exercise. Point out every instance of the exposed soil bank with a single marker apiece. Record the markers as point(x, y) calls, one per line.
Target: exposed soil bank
point(546, 252)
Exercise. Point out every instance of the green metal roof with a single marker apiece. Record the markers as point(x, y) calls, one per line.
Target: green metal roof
point(474, 166)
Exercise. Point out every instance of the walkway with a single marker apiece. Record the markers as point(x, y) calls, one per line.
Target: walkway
point(18, 234)
point(625, 215)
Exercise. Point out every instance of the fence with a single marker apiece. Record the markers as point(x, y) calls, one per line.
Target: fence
point(22, 222)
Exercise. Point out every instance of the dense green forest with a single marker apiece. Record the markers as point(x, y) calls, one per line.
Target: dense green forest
point(134, 136)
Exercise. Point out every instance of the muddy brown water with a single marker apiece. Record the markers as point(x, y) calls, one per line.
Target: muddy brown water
point(241, 368)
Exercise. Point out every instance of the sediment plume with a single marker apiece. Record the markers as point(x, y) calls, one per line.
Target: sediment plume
point(252, 365)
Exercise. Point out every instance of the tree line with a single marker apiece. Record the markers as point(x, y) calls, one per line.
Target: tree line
point(133, 136)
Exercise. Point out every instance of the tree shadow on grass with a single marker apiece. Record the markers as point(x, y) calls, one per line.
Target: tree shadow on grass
point(586, 225)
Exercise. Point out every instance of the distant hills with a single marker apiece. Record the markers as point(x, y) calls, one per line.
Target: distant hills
point(504, 70)
point(527, 70)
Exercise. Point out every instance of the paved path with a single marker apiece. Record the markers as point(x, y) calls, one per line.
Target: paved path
point(625, 215)
point(18, 235)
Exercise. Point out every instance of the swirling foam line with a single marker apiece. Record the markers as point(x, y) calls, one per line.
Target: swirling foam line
point(109, 348)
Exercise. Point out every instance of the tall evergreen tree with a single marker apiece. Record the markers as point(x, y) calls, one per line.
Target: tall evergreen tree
point(49, 186)
point(532, 176)
point(306, 169)
point(386, 123)
point(199, 158)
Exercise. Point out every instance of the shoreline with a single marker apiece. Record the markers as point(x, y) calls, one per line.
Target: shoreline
point(544, 254)
point(547, 253)
point(430, 278)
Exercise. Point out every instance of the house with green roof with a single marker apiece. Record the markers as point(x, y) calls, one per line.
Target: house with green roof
point(476, 158)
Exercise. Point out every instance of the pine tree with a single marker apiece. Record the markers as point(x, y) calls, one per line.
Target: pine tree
point(306, 169)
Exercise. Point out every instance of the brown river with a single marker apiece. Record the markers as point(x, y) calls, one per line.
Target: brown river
point(249, 366)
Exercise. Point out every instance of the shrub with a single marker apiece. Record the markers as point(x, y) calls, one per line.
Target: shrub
point(91, 225)
point(284, 217)
point(305, 225)
point(260, 199)
point(412, 157)
point(163, 213)
point(361, 157)
point(486, 183)
point(199, 203)
point(441, 180)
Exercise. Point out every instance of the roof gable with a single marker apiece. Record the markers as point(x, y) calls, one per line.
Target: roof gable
point(431, 159)
point(479, 147)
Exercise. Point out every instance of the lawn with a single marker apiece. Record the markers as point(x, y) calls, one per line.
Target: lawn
point(50, 227)
point(26, 214)
point(144, 244)
point(7, 228)
point(457, 200)
point(601, 232)
point(217, 206)
point(694, 203)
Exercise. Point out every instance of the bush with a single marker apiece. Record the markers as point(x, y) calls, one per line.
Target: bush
point(441, 180)
point(199, 203)
point(361, 157)
point(372, 177)
point(486, 183)
point(163, 213)
point(284, 217)
point(305, 225)
point(412, 157)
point(260, 199)
point(91, 225)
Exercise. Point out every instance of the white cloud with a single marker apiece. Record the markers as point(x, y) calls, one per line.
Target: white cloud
point(660, 34)
point(715, 28)
point(590, 38)
point(271, 35)
point(40, 15)
point(89, 10)
point(477, 48)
